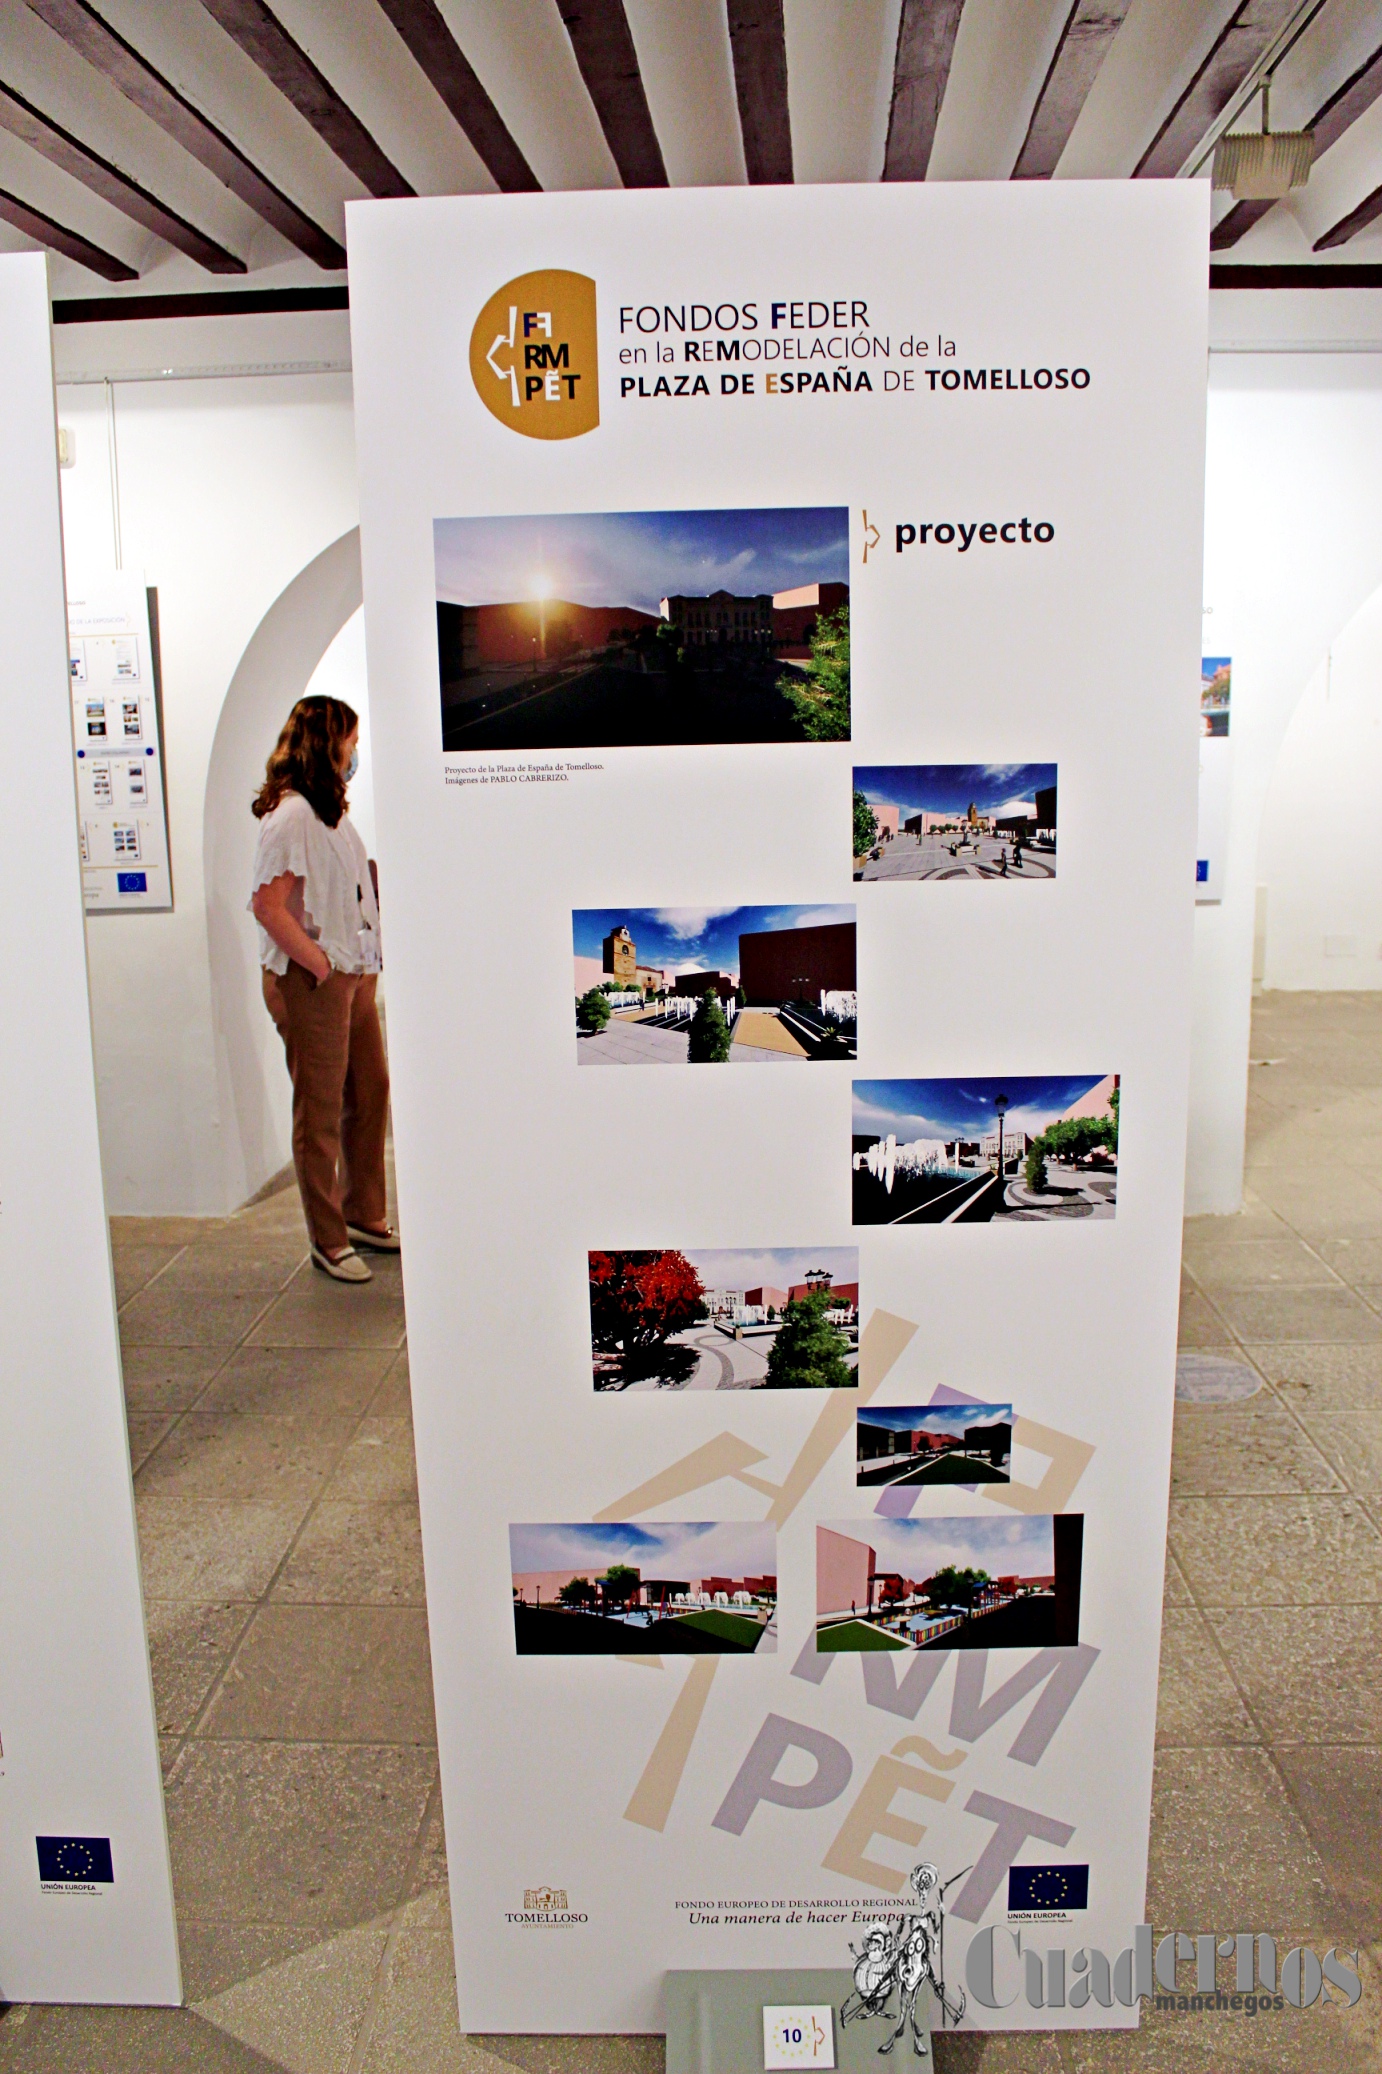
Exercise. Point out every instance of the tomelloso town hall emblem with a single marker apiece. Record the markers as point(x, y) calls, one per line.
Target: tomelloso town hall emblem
point(533, 355)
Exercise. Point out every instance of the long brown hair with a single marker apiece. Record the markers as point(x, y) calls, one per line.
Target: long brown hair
point(306, 759)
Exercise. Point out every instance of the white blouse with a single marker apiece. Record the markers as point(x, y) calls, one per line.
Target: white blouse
point(334, 898)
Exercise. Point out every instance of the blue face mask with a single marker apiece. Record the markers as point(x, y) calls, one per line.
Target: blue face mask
point(353, 765)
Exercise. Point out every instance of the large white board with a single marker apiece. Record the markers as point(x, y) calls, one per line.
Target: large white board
point(1013, 501)
point(86, 1904)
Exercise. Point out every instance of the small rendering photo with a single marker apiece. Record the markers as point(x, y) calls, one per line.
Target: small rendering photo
point(585, 630)
point(776, 1318)
point(700, 1588)
point(1011, 1583)
point(955, 821)
point(1023, 1150)
point(935, 1443)
point(717, 986)
point(1216, 689)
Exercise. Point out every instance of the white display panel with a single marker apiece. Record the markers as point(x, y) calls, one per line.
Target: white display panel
point(122, 819)
point(86, 1904)
point(1012, 507)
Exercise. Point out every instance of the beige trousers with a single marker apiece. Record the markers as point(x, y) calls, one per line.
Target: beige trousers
point(335, 1052)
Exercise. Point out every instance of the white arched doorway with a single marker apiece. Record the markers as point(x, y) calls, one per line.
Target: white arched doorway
point(278, 665)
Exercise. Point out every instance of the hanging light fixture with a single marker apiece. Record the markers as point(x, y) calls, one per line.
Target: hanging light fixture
point(1263, 165)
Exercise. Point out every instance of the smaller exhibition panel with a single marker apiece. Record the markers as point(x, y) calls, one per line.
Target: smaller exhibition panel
point(86, 1905)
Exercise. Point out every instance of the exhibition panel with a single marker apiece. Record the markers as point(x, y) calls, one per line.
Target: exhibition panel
point(86, 1905)
point(765, 539)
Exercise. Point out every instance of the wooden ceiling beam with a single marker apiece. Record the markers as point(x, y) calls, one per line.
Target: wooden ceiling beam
point(445, 65)
point(61, 148)
point(1329, 122)
point(286, 65)
point(72, 245)
point(1085, 42)
point(925, 46)
point(1248, 33)
point(1367, 212)
point(600, 37)
point(92, 37)
point(758, 44)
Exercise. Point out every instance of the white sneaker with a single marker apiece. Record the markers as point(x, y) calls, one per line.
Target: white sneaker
point(347, 1268)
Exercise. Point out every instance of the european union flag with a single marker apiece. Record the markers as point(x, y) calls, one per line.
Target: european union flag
point(1056, 1887)
point(75, 1861)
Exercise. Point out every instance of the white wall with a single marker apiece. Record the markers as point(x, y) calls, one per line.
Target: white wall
point(1293, 548)
point(230, 487)
point(1320, 853)
point(227, 488)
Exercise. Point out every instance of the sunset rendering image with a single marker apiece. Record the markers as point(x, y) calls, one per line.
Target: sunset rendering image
point(593, 629)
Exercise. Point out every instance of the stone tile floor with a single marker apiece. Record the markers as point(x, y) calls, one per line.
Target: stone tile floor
point(270, 1432)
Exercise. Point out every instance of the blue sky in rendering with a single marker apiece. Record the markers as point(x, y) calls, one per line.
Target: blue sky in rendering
point(638, 557)
point(777, 1267)
point(964, 1108)
point(702, 1548)
point(691, 939)
point(949, 1420)
point(949, 788)
point(920, 1547)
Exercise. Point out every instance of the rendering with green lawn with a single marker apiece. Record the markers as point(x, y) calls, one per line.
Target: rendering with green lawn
point(969, 1583)
point(696, 1588)
point(934, 1444)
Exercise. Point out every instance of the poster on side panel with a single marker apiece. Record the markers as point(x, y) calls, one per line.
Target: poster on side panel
point(770, 599)
point(122, 813)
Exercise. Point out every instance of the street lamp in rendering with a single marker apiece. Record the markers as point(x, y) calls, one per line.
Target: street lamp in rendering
point(1000, 1103)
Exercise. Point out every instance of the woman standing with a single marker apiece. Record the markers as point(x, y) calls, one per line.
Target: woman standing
point(314, 900)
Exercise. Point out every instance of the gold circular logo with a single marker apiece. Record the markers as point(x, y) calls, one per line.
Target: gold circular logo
point(533, 355)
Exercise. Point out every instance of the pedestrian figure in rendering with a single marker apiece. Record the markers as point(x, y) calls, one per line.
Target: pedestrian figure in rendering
point(314, 900)
point(1003, 864)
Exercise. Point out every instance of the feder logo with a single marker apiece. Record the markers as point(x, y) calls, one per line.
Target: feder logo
point(533, 355)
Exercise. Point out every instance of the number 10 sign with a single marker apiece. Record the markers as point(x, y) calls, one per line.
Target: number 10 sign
point(799, 2035)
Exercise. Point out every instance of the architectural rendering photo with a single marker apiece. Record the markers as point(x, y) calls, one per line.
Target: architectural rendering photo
point(676, 986)
point(935, 1443)
point(1216, 694)
point(719, 1319)
point(591, 629)
point(1010, 1583)
point(955, 821)
point(1025, 1150)
point(703, 1588)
